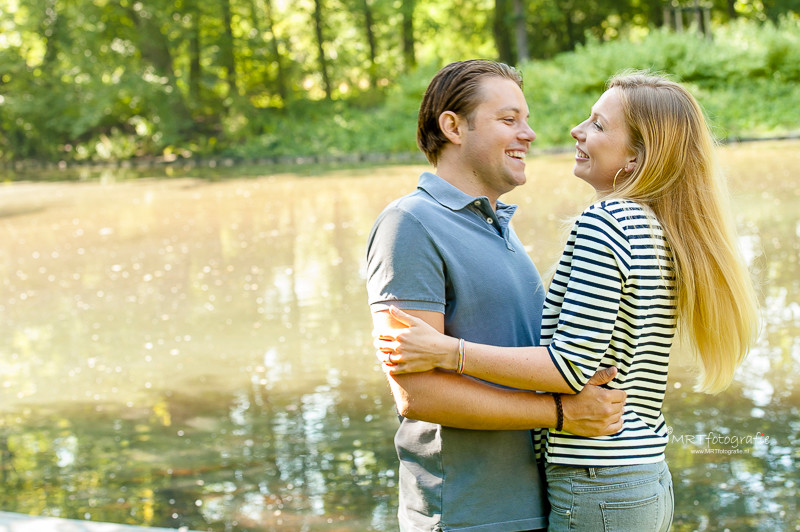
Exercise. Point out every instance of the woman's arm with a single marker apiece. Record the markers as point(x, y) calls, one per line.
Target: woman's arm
point(420, 347)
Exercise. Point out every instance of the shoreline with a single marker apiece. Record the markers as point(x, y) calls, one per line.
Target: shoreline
point(231, 162)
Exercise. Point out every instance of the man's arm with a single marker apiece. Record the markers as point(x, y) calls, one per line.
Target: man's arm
point(461, 402)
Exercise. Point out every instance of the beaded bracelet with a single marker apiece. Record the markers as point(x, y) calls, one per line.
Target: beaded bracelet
point(462, 354)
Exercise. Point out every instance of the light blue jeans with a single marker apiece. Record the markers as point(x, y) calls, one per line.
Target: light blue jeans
point(636, 498)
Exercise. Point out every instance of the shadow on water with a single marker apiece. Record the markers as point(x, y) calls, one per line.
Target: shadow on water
point(190, 352)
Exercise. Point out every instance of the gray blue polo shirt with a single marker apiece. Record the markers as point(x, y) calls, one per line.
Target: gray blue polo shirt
point(440, 249)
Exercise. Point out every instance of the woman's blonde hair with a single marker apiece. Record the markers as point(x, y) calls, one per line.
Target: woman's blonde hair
point(677, 177)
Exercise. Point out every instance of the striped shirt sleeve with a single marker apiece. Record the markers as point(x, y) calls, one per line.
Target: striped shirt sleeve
point(585, 295)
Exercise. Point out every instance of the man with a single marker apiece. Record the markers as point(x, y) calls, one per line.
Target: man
point(447, 254)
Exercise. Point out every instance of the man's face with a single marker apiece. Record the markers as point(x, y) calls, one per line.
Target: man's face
point(498, 137)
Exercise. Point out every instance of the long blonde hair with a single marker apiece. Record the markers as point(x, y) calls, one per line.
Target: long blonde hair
point(677, 177)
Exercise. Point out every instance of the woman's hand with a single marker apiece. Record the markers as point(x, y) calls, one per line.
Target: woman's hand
point(419, 347)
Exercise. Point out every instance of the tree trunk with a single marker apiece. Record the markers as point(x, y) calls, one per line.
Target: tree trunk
point(154, 47)
point(521, 31)
point(195, 68)
point(732, 9)
point(323, 62)
point(370, 33)
point(502, 31)
point(227, 58)
point(281, 75)
point(52, 27)
point(569, 27)
point(409, 55)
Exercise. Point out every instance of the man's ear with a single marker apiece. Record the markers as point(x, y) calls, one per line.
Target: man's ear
point(450, 124)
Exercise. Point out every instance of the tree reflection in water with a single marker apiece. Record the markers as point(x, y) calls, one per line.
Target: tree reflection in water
point(186, 352)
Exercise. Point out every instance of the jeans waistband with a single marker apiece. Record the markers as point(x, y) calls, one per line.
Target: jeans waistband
point(558, 470)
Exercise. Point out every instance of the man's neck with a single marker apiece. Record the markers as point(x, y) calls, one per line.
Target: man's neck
point(464, 179)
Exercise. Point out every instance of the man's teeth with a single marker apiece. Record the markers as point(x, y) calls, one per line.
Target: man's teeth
point(516, 154)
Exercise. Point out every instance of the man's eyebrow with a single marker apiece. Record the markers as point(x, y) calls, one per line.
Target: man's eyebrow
point(512, 109)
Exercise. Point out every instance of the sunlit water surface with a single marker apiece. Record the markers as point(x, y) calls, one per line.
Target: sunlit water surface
point(195, 352)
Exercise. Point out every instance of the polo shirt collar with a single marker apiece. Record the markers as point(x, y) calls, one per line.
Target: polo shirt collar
point(455, 199)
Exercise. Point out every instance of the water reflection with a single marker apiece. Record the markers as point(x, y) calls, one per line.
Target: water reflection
point(187, 352)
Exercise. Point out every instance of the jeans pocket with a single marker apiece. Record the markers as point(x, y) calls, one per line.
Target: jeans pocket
point(559, 493)
point(631, 516)
point(559, 520)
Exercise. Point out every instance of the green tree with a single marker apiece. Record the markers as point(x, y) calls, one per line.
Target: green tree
point(369, 31)
point(501, 28)
point(521, 31)
point(103, 79)
point(278, 60)
point(151, 37)
point(407, 33)
point(227, 56)
point(319, 30)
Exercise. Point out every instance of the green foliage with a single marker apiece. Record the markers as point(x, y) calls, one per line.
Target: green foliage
point(745, 78)
point(101, 80)
point(341, 127)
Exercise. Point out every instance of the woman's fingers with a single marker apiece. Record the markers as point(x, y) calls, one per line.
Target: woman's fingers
point(386, 344)
point(387, 357)
point(391, 344)
point(402, 317)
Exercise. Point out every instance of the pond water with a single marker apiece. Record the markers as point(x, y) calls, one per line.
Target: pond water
point(196, 352)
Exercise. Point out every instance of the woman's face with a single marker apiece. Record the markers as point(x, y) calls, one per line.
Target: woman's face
point(602, 147)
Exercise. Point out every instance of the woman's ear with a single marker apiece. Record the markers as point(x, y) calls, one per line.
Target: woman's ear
point(630, 166)
point(450, 124)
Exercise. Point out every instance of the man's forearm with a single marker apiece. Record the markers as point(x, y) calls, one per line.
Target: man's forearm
point(461, 402)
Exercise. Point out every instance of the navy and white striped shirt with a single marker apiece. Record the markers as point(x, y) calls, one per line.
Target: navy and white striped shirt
point(612, 302)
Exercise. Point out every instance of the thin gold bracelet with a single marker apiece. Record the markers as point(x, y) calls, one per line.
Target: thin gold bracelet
point(462, 354)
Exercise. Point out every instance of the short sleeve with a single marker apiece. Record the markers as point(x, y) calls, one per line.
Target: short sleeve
point(589, 281)
point(404, 265)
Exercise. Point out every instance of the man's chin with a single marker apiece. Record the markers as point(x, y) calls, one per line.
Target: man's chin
point(519, 180)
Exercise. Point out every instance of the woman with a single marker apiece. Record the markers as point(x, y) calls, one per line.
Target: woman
point(657, 250)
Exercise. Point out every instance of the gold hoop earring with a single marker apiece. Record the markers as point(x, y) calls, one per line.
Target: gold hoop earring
point(614, 183)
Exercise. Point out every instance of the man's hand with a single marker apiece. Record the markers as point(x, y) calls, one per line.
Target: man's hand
point(595, 411)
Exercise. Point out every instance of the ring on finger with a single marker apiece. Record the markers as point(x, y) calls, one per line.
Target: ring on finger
point(389, 361)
